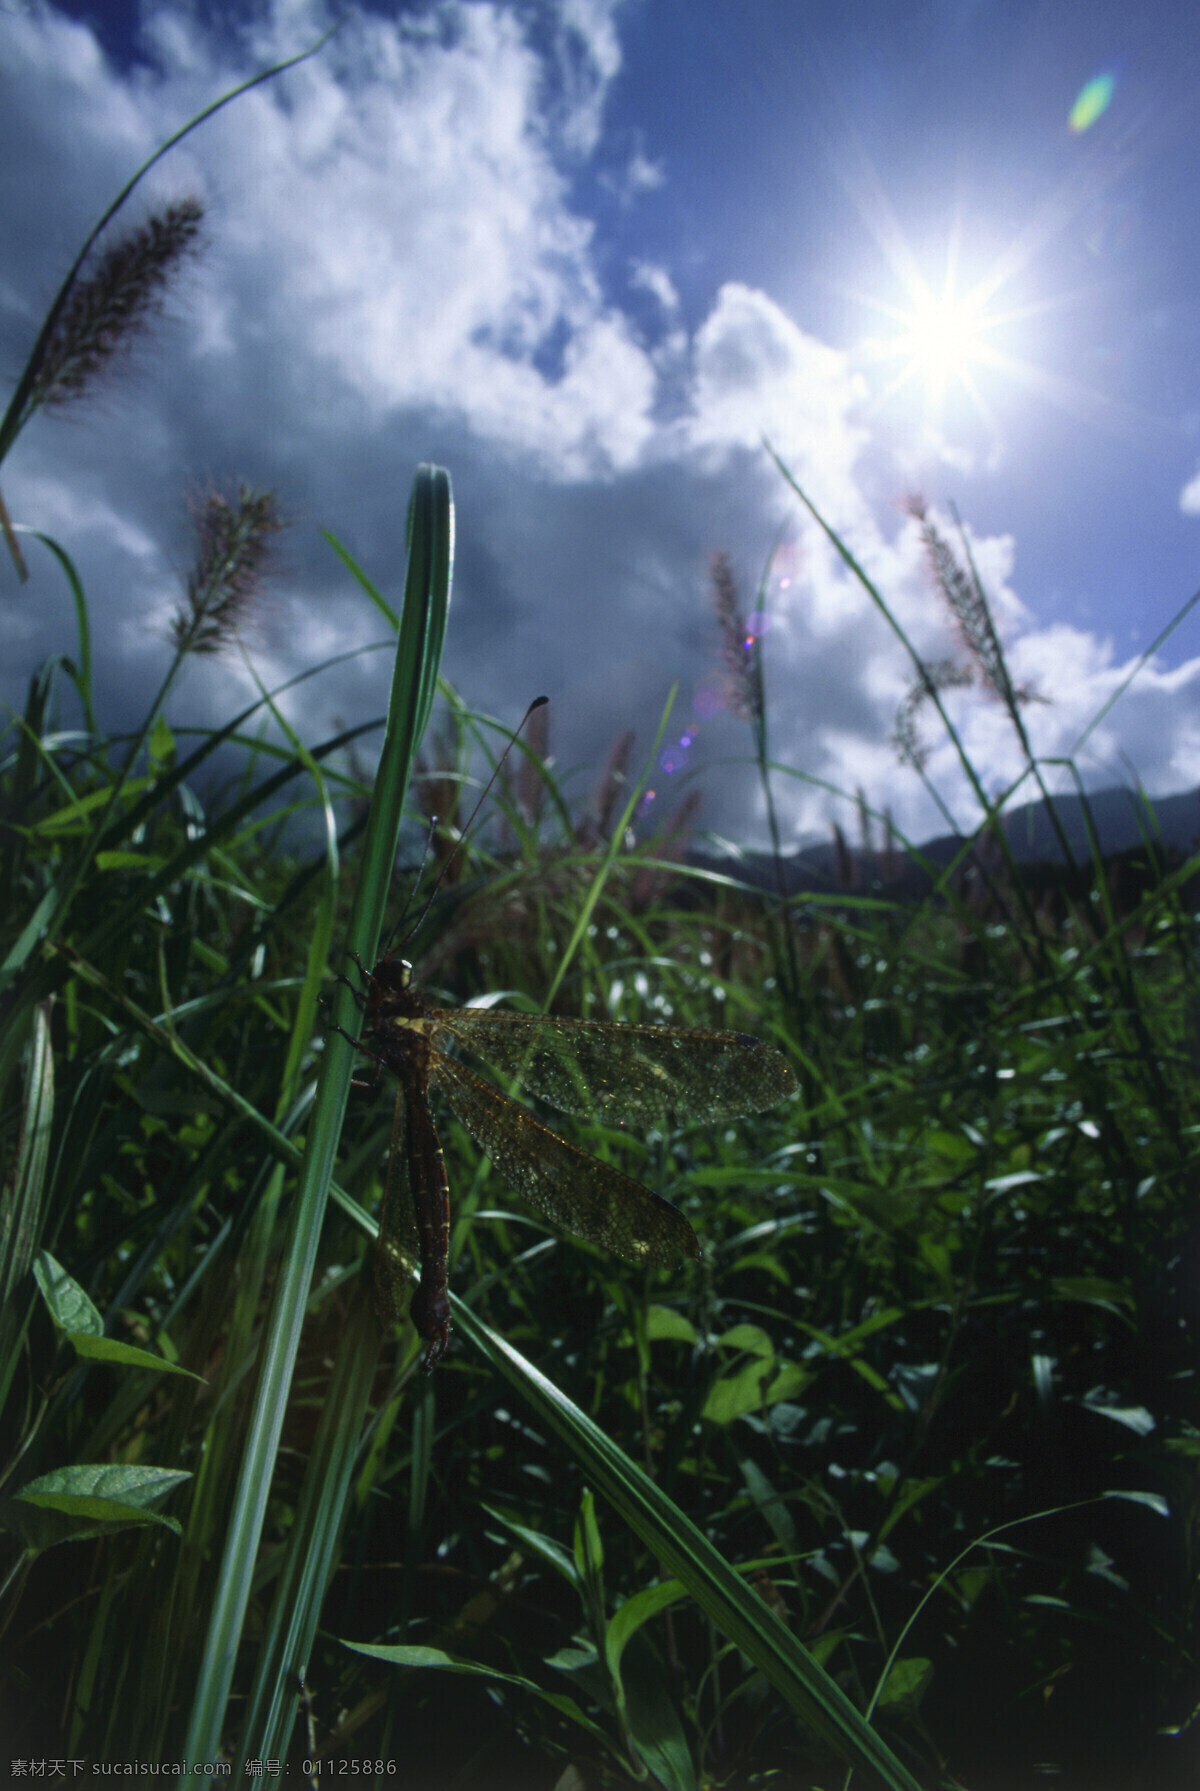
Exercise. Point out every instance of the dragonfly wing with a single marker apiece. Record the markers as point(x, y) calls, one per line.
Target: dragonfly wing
point(651, 1073)
point(575, 1192)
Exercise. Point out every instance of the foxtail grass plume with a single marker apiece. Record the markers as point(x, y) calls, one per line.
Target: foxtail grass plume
point(741, 648)
point(103, 312)
point(10, 538)
point(233, 550)
point(939, 674)
point(92, 320)
point(843, 860)
point(967, 602)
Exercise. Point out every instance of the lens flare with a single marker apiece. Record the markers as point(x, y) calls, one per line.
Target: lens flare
point(1093, 100)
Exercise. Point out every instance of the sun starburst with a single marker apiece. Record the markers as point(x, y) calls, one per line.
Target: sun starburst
point(941, 341)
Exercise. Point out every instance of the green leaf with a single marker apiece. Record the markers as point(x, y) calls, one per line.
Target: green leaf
point(108, 1349)
point(89, 1499)
point(770, 1504)
point(1092, 1290)
point(750, 1338)
point(971, 1583)
point(911, 1493)
point(129, 861)
point(430, 539)
point(589, 1564)
point(544, 1547)
point(76, 817)
point(1152, 1501)
point(1133, 1417)
point(755, 1388)
point(1004, 1184)
point(663, 1323)
point(846, 1343)
point(634, 1612)
point(132, 1486)
point(406, 1655)
point(22, 1204)
point(907, 1682)
point(936, 1257)
point(589, 1548)
point(75, 1315)
point(949, 1144)
point(162, 740)
point(653, 1721)
point(66, 1302)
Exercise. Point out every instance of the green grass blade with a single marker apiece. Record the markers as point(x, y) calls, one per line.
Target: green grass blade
point(609, 858)
point(82, 673)
point(422, 633)
point(312, 1543)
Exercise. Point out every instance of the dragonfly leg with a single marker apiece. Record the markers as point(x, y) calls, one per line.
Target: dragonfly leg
point(362, 1000)
point(334, 1027)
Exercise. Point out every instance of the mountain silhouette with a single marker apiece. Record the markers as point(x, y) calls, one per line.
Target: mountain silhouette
point(1140, 839)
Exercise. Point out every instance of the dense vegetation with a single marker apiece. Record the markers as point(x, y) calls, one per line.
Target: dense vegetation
point(947, 1300)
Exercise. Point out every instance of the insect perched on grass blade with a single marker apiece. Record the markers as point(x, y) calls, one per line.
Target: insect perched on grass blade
point(587, 1067)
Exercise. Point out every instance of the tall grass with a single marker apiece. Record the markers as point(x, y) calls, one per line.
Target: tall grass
point(902, 1473)
point(948, 1295)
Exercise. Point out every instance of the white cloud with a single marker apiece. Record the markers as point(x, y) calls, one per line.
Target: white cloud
point(637, 175)
point(587, 56)
point(654, 279)
point(407, 227)
point(1189, 497)
point(644, 176)
point(758, 374)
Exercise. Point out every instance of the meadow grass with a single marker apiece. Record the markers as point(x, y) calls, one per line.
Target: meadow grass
point(946, 1291)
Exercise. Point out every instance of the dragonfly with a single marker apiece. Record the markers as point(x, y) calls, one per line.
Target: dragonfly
point(589, 1068)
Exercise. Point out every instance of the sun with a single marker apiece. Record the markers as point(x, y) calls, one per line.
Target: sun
point(958, 327)
point(941, 340)
point(944, 340)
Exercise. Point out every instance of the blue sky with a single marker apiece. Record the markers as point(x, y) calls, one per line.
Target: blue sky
point(586, 253)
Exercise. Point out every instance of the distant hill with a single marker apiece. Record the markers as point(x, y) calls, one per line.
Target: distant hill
point(1121, 819)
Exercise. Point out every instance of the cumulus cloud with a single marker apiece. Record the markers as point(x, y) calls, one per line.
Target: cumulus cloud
point(1189, 497)
point(636, 176)
point(757, 373)
point(655, 279)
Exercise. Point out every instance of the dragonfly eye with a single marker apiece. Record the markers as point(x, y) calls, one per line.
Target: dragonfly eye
point(393, 974)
